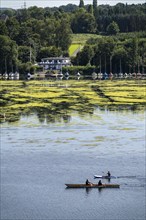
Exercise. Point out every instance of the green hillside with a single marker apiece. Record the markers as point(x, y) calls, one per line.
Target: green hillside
point(78, 42)
point(82, 38)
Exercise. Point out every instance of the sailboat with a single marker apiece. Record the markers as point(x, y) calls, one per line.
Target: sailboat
point(110, 74)
point(94, 75)
point(5, 75)
point(16, 75)
point(105, 75)
point(67, 75)
point(99, 75)
point(139, 75)
point(78, 75)
point(120, 73)
point(11, 74)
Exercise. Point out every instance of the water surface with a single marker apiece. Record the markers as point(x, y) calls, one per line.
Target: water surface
point(37, 159)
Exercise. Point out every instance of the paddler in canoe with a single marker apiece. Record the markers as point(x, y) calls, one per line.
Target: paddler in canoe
point(109, 174)
point(91, 184)
point(99, 183)
point(88, 183)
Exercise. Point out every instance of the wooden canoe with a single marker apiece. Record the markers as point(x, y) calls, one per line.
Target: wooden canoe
point(93, 185)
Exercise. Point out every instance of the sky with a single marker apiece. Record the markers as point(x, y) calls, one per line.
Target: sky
point(16, 4)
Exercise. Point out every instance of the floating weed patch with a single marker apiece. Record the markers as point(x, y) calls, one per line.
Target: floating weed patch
point(20, 100)
point(137, 138)
point(100, 138)
point(114, 128)
point(127, 129)
point(122, 129)
point(54, 98)
point(130, 101)
point(30, 105)
point(58, 141)
point(70, 139)
point(90, 145)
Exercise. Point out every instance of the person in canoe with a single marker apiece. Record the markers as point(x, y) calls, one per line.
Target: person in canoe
point(109, 174)
point(87, 182)
point(99, 183)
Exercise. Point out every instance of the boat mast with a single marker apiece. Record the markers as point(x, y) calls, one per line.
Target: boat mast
point(100, 63)
point(142, 65)
point(5, 65)
point(120, 66)
point(30, 54)
point(105, 64)
point(110, 64)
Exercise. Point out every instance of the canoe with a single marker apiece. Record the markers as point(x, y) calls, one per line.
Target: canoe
point(104, 177)
point(93, 185)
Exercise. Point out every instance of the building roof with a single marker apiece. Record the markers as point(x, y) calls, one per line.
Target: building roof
point(56, 58)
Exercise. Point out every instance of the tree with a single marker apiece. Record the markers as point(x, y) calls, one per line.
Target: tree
point(84, 57)
point(37, 13)
point(8, 54)
point(63, 38)
point(90, 9)
point(13, 27)
point(113, 28)
point(9, 12)
point(119, 58)
point(3, 28)
point(25, 34)
point(22, 15)
point(49, 52)
point(83, 22)
point(47, 32)
point(103, 53)
point(24, 54)
point(81, 4)
point(94, 4)
point(95, 11)
point(133, 53)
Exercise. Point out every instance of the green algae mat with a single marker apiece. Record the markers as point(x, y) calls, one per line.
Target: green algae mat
point(62, 97)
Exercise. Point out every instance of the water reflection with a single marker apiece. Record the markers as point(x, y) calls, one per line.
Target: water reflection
point(60, 114)
point(46, 117)
point(88, 190)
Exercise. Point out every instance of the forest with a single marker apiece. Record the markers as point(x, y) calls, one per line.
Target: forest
point(29, 34)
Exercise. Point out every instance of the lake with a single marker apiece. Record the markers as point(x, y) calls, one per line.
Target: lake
point(38, 158)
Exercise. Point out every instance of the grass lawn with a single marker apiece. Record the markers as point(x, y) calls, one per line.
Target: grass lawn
point(78, 42)
point(82, 38)
point(73, 48)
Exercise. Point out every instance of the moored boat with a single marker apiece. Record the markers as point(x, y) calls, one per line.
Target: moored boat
point(104, 177)
point(92, 185)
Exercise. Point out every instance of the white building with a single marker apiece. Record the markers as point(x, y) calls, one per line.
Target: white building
point(55, 63)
